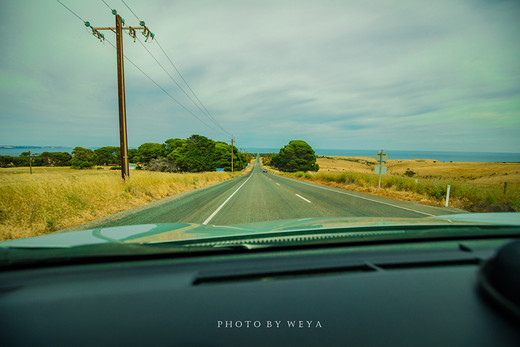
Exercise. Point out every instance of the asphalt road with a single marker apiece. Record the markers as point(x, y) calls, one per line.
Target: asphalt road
point(259, 196)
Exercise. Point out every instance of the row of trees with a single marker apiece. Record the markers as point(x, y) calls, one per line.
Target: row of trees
point(194, 154)
point(43, 159)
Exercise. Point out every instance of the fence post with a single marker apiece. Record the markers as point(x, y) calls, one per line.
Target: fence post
point(447, 195)
point(505, 187)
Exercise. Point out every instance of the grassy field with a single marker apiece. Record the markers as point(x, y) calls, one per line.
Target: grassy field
point(57, 198)
point(476, 187)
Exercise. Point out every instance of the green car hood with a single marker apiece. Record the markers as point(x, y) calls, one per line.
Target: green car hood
point(168, 232)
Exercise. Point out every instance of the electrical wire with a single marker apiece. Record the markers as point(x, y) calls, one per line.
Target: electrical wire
point(204, 110)
point(151, 79)
point(191, 90)
point(173, 79)
point(164, 90)
point(107, 5)
point(130, 10)
point(62, 4)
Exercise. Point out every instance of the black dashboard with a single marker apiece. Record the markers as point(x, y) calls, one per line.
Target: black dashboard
point(413, 294)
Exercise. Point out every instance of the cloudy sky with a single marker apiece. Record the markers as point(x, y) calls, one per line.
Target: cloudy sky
point(402, 75)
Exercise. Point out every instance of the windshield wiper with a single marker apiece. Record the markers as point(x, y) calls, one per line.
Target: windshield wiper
point(24, 257)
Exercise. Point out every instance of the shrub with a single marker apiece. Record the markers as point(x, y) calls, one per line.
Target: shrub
point(410, 173)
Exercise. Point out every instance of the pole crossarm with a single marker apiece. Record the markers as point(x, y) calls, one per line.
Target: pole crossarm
point(132, 31)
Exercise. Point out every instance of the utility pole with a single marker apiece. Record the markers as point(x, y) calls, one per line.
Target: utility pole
point(123, 138)
point(231, 154)
point(118, 30)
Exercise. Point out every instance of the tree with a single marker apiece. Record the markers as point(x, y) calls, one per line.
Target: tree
point(195, 155)
point(223, 156)
point(107, 155)
point(172, 144)
point(296, 156)
point(133, 154)
point(149, 151)
point(82, 158)
point(55, 158)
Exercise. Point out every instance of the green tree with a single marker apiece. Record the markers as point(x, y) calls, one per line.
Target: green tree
point(55, 158)
point(223, 155)
point(82, 158)
point(149, 151)
point(296, 156)
point(133, 153)
point(59, 159)
point(195, 155)
point(172, 144)
point(107, 155)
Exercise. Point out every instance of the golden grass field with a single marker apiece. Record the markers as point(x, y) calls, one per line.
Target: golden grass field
point(476, 187)
point(56, 198)
point(497, 173)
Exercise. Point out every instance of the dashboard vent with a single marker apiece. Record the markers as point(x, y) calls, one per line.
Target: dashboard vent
point(204, 279)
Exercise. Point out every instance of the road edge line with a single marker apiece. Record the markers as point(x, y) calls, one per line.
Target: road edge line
point(224, 203)
point(354, 196)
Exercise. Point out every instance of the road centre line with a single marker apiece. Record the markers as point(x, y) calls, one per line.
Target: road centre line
point(301, 197)
point(359, 197)
point(225, 202)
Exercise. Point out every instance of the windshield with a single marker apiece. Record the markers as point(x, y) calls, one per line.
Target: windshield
point(186, 120)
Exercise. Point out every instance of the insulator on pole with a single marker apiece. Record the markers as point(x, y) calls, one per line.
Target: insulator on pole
point(114, 12)
point(142, 23)
point(87, 24)
point(132, 33)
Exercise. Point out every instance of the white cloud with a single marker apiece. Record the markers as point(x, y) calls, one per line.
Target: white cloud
point(334, 73)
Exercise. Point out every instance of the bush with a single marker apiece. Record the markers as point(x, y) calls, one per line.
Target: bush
point(410, 173)
point(162, 165)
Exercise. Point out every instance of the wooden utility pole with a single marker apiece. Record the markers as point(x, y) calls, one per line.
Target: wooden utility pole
point(118, 30)
point(123, 139)
point(231, 154)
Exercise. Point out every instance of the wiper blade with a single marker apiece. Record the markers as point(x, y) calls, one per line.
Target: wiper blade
point(18, 257)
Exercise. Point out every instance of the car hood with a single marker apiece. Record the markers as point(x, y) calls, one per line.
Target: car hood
point(168, 232)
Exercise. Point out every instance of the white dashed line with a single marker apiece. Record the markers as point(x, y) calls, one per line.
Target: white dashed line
point(356, 196)
point(301, 197)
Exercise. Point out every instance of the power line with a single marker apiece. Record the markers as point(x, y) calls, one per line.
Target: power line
point(106, 4)
point(195, 95)
point(130, 10)
point(204, 110)
point(101, 37)
point(162, 67)
point(62, 4)
point(160, 87)
point(173, 79)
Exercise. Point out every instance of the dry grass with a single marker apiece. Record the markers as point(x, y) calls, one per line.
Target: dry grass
point(57, 198)
point(476, 187)
point(493, 173)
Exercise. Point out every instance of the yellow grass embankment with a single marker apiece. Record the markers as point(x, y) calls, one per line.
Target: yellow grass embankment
point(58, 198)
point(476, 187)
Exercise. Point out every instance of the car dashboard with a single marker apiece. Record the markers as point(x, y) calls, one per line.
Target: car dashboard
point(393, 294)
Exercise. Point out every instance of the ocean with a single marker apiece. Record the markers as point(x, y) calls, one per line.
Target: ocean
point(442, 156)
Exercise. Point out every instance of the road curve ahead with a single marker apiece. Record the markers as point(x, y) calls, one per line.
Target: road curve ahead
point(261, 196)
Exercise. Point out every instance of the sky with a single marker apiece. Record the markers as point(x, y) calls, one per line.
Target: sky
point(402, 75)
